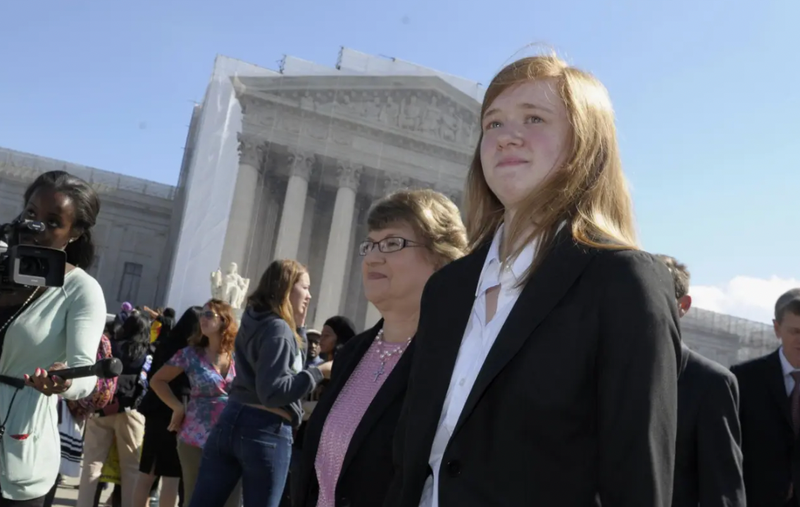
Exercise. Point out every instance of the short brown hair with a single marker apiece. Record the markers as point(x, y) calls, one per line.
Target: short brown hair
point(229, 327)
point(680, 275)
point(789, 302)
point(274, 288)
point(434, 218)
point(589, 191)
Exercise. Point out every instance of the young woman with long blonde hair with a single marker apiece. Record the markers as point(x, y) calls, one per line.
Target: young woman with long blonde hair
point(253, 439)
point(546, 363)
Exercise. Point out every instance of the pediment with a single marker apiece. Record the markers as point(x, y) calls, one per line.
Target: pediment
point(423, 107)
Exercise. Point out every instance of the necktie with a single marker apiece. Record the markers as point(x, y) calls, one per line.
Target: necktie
point(795, 397)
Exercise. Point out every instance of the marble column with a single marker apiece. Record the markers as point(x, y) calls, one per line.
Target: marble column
point(252, 158)
point(336, 254)
point(294, 204)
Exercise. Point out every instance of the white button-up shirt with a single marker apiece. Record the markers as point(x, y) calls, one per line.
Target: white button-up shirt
point(475, 346)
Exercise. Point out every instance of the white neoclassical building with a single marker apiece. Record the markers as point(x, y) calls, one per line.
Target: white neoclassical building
point(285, 164)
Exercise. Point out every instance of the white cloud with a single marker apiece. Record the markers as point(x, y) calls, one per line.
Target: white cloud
point(744, 296)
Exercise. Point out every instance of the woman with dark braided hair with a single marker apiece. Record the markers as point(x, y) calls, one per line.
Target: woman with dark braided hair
point(44, 329)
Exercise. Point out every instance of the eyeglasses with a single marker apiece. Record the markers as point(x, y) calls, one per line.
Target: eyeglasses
point(387, 245)
point(208, 314)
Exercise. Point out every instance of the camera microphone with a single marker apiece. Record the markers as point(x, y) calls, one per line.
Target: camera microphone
point(105, 368)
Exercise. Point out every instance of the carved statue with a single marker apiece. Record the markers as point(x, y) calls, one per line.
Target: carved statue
point(465, 132)
point(390, 112)
point(449, 125)
point(216, 285)
point(365, 105)
point(232, 288)
point(411, 114)
point(372, 110)
point(430, 122)
point(354, 105)
point(326, 106)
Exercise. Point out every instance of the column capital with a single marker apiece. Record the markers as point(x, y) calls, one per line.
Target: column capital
point(301, 162)
point(252, 152)
point(394, 182)
point(349, 173)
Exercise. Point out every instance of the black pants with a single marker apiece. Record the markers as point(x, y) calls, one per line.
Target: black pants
point(36, 502)
point(50, 498)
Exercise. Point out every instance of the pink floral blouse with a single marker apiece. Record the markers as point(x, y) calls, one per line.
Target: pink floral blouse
point(208, 397)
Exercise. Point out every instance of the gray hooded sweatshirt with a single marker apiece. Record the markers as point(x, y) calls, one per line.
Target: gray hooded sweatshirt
point(269, 365)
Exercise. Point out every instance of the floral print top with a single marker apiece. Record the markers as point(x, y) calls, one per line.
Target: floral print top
point(209, 394)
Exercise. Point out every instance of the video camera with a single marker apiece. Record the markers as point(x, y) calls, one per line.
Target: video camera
point(28, 265)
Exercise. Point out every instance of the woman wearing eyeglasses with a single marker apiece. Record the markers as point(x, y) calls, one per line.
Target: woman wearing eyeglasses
point(348, 444)
point(208, 362)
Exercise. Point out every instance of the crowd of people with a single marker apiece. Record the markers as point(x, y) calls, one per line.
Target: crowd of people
point(531, 356)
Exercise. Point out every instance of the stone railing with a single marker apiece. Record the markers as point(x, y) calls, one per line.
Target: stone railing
point(27, 167)
point(752, 339)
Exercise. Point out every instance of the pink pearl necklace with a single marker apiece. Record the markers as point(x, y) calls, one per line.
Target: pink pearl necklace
point(384, 354)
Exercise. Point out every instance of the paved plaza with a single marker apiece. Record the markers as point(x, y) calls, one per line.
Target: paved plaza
point(67, 495)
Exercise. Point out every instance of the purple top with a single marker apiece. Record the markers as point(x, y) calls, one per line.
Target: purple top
point(345, 415)
point(208, 397)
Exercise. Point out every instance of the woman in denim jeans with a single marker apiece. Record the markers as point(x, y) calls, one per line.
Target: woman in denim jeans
point(253, 439)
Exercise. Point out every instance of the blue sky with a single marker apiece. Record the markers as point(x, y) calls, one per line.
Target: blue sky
point(707, 96)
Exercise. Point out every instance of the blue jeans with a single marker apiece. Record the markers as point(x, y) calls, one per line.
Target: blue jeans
point(248, 444)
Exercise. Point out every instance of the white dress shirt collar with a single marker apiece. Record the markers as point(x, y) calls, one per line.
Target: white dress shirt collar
point(491, 275)
point(786, 366)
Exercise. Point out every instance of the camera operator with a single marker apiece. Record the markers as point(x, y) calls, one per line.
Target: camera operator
point(44, 329)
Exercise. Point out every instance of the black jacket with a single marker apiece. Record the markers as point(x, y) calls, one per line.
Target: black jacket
point(576, 403)
point(163, 349)
point(708, 462)
point(129, 385)
point(771, 451)
point(367, 470)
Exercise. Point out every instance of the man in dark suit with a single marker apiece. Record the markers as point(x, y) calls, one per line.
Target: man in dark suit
point(770, 413)
point(708, 459)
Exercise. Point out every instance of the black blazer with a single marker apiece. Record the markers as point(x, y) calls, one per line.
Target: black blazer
point(576, 402)
point(771, 452)
point(367, 470)
point(708, 462)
